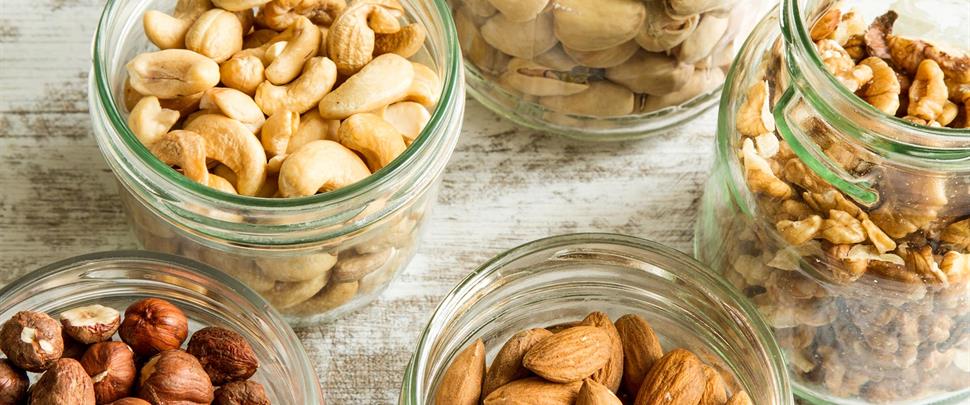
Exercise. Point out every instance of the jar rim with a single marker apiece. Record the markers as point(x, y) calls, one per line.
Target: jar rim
point(434, 132)
point(653, 253)
point(809, 75)
point(228, 286)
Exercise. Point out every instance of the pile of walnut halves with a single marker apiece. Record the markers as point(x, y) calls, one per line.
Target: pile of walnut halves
point(603, 57)
point(891, 321)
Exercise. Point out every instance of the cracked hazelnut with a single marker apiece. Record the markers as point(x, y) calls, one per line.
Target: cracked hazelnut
point(153, 325)
point(241, 393)
point(130, 401)
point(91, 324)
point(32, 340)
point(111, 366)
point(175, 377)
point(13, 383)
point(64, 383)
point(224, 354)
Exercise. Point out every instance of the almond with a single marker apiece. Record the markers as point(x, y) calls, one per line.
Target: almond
point(534, 391)
point(741, 398)
point(559, 327)
point(612, 373)
point(507, 365)
point(594, 393)
point(462, 382)
point(677, 378)
point(715, 390)
point(641, 348)
point(570, 355)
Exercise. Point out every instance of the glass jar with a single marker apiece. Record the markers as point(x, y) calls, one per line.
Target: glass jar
point(206, 296)
point(600, 70)
point(850, 233)
point(564, 278)
point(313, 258)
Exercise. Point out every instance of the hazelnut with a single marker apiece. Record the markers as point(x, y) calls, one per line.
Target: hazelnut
point(32, 340)
point(13, 383)
point(64, 383)
point(91, 324)
point(241, 393)
point(130, 401)
point(111, 366)
point(174, 377)
point(72, 348)
point(224, 354)
point(153, 325)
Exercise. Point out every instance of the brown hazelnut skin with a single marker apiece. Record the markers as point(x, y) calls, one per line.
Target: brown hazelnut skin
point(64, 383)
point(153, 325)
point(72, 348)
point(175, 377)
point(13, 384)
point(130, 401)
point(224, 354)
point(111, 366)
point(241, 393)
point(45, 345)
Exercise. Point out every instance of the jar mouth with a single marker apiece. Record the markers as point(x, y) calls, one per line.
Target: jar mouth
point(434, 132)
point(843, 110)
point(613, 249)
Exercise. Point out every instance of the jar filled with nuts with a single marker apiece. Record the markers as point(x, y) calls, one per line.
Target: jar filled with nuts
point(137, 328)
point(840, 202)
point(296, 145)
point(595, 319)
point(601, 69)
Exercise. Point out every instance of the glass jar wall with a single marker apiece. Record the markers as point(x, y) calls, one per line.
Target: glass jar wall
point(562, 279)
point(313, 258)
point(846, 226)
point(601, 70)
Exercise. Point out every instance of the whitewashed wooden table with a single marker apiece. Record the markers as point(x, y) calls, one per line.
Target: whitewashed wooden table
point(504, 186)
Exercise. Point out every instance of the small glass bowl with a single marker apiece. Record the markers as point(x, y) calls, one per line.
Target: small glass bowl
point(207, 296)
point(563, 278)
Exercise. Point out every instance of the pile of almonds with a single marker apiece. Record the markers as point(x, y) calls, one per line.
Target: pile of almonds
point(82, 365)
point(591, 362)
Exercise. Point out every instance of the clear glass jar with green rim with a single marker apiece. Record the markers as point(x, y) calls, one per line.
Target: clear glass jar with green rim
point(848, 228)
point(562, 279)
point(207, 297)
point(314, 258)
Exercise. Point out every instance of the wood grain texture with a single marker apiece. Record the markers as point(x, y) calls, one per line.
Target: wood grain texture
point(504, 186)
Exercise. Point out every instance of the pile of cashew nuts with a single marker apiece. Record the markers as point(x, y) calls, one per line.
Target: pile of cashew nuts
point(284, 98)
point(602, 58)
point(290, 97)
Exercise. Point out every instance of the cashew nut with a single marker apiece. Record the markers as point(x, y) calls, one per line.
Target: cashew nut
point(259, 38)
point(379, 142)
point(520, 39)
point(474, 46)
point(652, 73)
point(425, 88)
point(239, 5)
point(700, 44)
point(405, 42)
point(320, 166)
point(601, 99)
point(234, 104)
point(280, 14)
point(386, 79)
point(586, 25)
point(313, 128)
point(384, 21)
point(284, 295)
point(303, 44)
point(217, 34)
point(605, 58)
point(332, 296)
point(172, 73)
point(662, 32)
point(168, 31)
point(356, 267)
point(534, 79)
point(278, 130)
point(520, 10)
point(243, 72)
point(691, 7)
point(350, 43)
point(149, 121)
point(184, 149)
point(702, 81)
point(229, 142)
point(319, 76)
point(409, 118)
point(298, 268)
